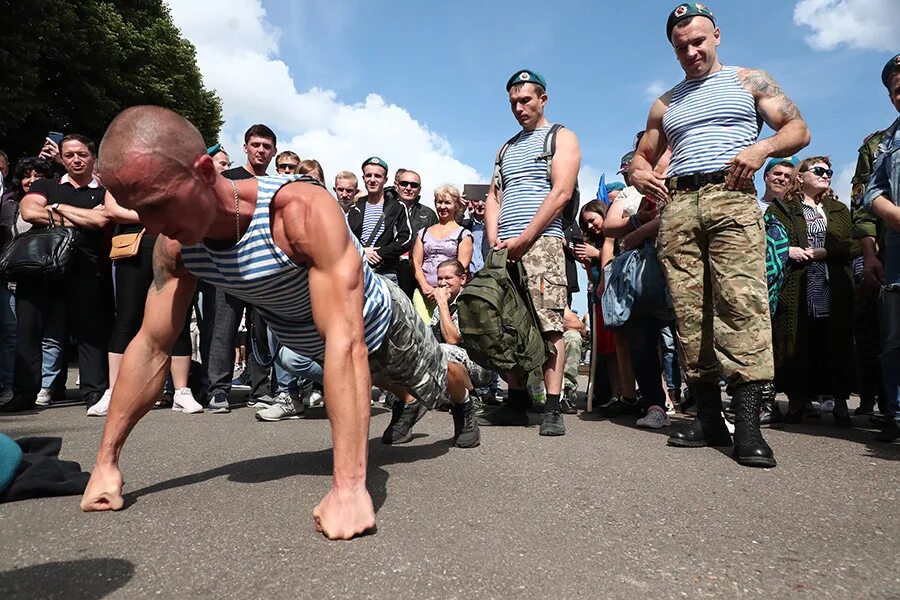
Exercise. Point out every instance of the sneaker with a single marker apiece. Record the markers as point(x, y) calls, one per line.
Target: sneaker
point(567, 403)
point(264, 401)
point(218, 405)
point(166, 400)
point(505, 416)
point(621, 407)
point(284, 407)
point(101, 407)
point(656, 418)
point(183, 401)
point(314, 399)
point(44, 397)
point(399, 430)
point(827, 405)
point(7, 395)
point(239, 383)
point(466, 433)
point(812, 410)
point(553, 424)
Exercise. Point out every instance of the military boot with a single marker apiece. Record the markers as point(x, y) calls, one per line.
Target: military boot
point(769, 413)
point(709, 428)
point(750, 448)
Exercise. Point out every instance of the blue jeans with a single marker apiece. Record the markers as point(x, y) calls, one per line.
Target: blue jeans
point(7, 335)
point(53, 348)
point(643, 343)
point(669, 350)
point(292, 369)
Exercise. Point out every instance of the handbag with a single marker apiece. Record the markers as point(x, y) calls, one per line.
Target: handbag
point(126, 245)
point(635, 285)
point(40, 252)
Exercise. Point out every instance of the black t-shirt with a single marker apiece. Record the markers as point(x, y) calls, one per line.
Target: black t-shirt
point(57, 191)
point(238, 173)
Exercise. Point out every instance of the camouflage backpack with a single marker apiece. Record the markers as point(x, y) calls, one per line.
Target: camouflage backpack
point(497, 320)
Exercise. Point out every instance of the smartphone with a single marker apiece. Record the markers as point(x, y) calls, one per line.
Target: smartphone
point(56, 137)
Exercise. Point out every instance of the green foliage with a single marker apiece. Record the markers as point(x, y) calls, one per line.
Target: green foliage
point(72, 66)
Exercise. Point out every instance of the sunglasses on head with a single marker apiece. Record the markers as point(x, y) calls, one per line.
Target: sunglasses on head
point(821, 172)
point(286, 166)
point(411, 184)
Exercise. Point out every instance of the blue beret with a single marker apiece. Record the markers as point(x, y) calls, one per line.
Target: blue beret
point(526, 76)
point(686, 10)
point(215, 149)
point(890, 68)
point(792, 161)
point(614, 185)
point(374, 160)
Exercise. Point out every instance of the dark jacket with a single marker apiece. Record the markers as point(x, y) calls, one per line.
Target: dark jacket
point(9, 210)
point(790, 339)
point(396, 237)
point(420, 217)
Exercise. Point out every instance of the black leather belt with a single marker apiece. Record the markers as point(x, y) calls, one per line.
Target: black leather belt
point(695, 181)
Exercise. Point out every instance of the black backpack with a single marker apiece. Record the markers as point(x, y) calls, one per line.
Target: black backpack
point(497, 320)
point(569, 213)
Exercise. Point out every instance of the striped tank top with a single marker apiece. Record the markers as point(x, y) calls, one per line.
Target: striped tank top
point(525, 185)
point(257, 271)
point(709, 121)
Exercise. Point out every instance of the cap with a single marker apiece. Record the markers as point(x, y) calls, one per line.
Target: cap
point(889, 69)
point(626, 160)
point(686, 10)
point(792, 161)
point(215, 149)
point(374, 160)
point(526, 76)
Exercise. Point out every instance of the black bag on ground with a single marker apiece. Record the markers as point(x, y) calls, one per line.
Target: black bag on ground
point(39, 252)
point(497, 319)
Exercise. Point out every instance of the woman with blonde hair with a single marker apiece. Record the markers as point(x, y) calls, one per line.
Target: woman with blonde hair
point(812, 334)
point(444, 240)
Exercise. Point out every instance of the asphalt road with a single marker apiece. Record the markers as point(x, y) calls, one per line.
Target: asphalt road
point(219, 506)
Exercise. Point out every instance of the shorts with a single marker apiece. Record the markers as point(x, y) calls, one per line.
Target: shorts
point(545, 277)
point(409, 355)
point(480, 376)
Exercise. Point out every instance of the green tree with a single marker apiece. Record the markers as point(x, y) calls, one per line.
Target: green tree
point(72, 66)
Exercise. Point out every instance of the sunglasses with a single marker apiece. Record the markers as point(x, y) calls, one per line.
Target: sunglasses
point(822, 172)
point(286, 166)
point(411, 184)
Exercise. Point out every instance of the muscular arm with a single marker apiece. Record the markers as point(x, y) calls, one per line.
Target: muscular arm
point(33, 208)
point(652, 146)
point(143, 371)
point(87, 218)
point(781, 114)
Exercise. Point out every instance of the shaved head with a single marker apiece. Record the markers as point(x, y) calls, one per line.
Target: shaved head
point(144, 147)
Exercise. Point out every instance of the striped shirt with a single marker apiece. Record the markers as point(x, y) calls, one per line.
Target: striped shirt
point(709, 121)
point(818, 292)
point(373, 213)
point(525, 185)
point(257, 271)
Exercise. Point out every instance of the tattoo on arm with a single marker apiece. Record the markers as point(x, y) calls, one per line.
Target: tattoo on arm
point(761, 85)
point(165, 264)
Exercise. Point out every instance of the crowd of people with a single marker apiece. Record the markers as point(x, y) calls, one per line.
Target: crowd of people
point(692, 278)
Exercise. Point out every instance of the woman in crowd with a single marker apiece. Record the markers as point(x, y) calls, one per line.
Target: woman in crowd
point(812, 331)
point(594, 254)
point(133, 277)
point(311, 167)
point(442, 241)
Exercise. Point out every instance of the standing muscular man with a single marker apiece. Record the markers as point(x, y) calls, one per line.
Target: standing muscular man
point(711, 238)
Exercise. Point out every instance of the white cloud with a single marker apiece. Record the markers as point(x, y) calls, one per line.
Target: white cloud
point(238, 57)
point(841, 182)
point(654, 90)
point(864, 24)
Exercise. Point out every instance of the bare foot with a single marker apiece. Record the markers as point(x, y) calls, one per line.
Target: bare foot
point(104, 490)
point(342, 515)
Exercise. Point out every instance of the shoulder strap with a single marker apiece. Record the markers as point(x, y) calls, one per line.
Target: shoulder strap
point(498, 163)
point(550, 147)
point(462, 231)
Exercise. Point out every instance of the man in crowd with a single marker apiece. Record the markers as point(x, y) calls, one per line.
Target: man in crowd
point(380, 223)
point(83, 295)
point(711, 236)
point(882, 198)
point(287, 162)
point(777, 175)
point(260, 145)
point(318, 295)
point(220, 157)
point(475, 194)
point(409, 190)
point(527, 224)
point(346, 186)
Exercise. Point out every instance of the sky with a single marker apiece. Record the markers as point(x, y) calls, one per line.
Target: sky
point(422, 84)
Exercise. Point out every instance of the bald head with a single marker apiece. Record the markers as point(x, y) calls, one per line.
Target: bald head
point(145, 144)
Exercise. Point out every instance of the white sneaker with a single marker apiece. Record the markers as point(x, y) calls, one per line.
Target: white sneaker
point(285, 407)
point(44, 397)
point(184, 402)
point(314, 399)
point(102, 407)
point(656, 418)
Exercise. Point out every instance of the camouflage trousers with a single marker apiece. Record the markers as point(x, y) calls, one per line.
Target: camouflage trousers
point(574, 347)
point(711, 245)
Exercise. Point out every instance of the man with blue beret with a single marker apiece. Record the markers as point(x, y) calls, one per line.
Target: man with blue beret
point(711, 238)
point(882, 198)
point(776, 176)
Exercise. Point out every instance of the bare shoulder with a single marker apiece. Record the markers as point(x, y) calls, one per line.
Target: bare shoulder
point(167, 263)
point(567, 136)
point(759, 82)
point(306, 219)
point(771, 100)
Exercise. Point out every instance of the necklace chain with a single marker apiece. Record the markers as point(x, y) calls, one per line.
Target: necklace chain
point(237, 213)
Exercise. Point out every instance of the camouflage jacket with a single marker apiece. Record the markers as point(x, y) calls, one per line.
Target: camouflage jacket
point(865, 224)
